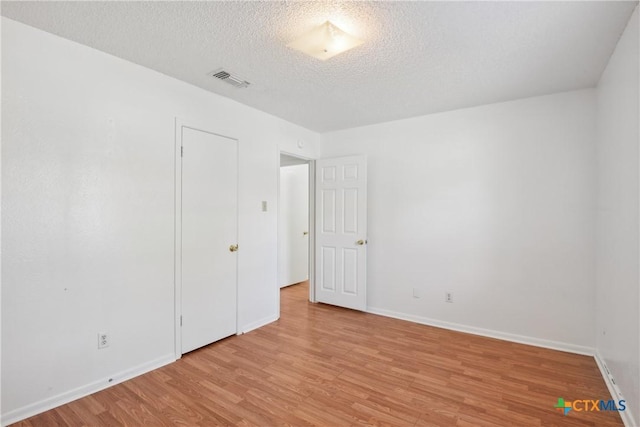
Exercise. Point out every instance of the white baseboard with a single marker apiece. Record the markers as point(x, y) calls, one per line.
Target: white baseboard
point(258, 324)
point(85, 390)
point(521, 339)
point(614, 390)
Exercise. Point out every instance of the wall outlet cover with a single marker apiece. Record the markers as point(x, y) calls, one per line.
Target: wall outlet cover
point(103, 339)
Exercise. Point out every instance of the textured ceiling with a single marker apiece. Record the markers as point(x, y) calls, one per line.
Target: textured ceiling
point(418, 57)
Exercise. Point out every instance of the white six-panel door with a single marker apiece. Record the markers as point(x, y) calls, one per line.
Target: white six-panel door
point(208, 229)
point(341, 232)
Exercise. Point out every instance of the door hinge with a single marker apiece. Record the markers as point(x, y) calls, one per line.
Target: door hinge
point(180, 320)
point(181, 151)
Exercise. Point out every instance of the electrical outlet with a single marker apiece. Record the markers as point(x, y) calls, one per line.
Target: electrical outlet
point(103, 339)
point(448, 297)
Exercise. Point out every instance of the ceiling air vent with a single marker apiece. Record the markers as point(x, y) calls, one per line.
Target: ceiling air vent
point(227, 77)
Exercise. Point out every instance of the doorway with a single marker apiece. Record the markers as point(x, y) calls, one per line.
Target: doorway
point(295, 222)
point(293, 217)
point(337, 221)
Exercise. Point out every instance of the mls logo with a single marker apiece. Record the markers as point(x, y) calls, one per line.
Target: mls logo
point(563, 406)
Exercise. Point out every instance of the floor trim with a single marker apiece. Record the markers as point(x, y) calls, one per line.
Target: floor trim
point(258, 324)
point(614, 390)
point(85, 390)
point(521, 339)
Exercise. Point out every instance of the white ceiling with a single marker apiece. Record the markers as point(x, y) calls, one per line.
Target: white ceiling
point(418, 57)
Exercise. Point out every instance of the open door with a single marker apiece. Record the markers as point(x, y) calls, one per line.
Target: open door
point(341, 232)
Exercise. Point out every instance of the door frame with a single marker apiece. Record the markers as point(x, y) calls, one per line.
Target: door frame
point(312, 225)
point(177, 226)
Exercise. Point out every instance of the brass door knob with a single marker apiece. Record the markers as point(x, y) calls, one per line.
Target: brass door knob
point(233, 248)
point(361, 242)
point(304, 233)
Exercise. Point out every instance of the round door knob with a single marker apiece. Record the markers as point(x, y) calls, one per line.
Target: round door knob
point(233, 248)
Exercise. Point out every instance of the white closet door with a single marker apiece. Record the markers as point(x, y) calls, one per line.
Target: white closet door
point(209, 231)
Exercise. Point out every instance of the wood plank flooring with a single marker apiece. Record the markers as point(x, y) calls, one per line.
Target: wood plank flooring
point(327, 366)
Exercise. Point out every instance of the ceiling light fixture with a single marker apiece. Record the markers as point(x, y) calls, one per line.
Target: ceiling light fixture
point(325, 41)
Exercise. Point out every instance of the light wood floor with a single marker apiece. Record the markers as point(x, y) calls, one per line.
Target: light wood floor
point(323, 365)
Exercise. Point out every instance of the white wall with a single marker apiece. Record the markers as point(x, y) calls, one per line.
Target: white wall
point(88, 210)
point(618, 217)
point(495, 204)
